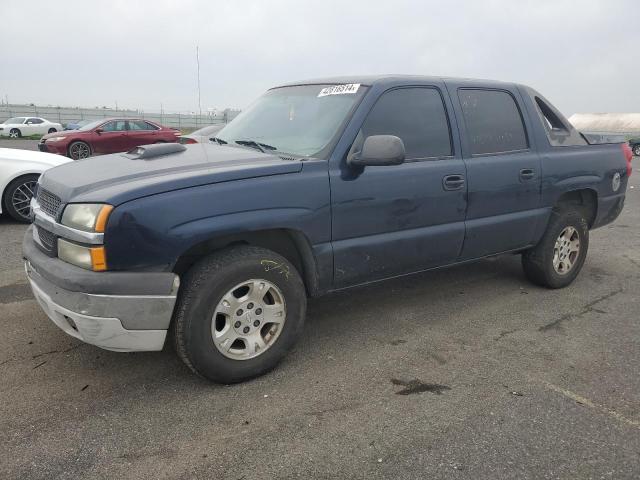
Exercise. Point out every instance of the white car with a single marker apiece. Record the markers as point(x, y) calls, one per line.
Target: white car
point(23, 126)
point(19, 172)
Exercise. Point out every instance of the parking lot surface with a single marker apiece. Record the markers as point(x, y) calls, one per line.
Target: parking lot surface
point(464, 373)
point(20, 143)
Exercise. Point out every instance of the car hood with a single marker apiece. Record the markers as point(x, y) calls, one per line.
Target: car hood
point(119, 178)
point(45, 160)
point(63, 133)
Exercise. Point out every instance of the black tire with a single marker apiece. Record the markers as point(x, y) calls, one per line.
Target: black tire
point(52, 130)
point(79, 150)
point(15, 133)
point(202, 289)
point(538, 261)
point(636, 150)
point(25, 184)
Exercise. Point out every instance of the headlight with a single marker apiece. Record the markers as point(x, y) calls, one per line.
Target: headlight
point(91, 258)
point(54, 139)
point(90, 217)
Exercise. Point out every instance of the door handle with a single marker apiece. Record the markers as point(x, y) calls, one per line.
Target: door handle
point(453, 182)
point(527, 174)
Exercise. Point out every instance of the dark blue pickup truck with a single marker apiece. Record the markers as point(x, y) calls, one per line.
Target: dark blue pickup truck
point(318, 186)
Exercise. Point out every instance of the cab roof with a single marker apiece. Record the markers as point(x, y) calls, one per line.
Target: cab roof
point(370, 80)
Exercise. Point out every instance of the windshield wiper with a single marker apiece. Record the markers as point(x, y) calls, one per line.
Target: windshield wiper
point(219, 141)
point(260, 146)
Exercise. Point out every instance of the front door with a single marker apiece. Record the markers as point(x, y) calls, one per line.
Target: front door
point(391, 220)
point(503, 171)
point(112, 138)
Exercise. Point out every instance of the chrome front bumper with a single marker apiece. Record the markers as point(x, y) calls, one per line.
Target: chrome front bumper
point(101, 319)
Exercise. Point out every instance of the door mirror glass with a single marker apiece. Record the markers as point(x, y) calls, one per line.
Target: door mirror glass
point(379, 150)
point(99, 131)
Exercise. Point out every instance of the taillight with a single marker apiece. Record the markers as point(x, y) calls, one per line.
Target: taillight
point(628, 154)
point(186, 140)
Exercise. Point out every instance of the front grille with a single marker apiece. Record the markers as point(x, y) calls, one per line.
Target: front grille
point(49, 203)
point(47, 238)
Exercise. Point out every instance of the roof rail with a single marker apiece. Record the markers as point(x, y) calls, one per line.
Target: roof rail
point(145, 152)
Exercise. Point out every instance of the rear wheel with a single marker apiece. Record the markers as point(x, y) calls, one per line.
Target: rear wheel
point(52, 130)
point(636, 150)
point(79, 150)
point(17, 197)
point(557, 260)
point(239, 312)
point(15, 133)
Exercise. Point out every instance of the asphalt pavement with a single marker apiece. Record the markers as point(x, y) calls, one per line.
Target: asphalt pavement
point(462, 373)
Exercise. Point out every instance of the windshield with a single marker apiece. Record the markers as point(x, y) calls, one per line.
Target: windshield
point(90, 126)
point(14, 120)
point(300, 120)
point(203, 132)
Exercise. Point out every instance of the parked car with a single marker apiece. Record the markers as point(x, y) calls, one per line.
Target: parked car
point(202, 135)
point(634, 144)
point(317, 187)
point(17, 127)
point(76, 124)
point(19, 172)
point(107, 136)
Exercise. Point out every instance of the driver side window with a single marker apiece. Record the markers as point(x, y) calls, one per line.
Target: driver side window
point(115, 126)
point(417, 116)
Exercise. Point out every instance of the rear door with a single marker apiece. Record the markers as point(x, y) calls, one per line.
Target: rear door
point(392, 220)
point(503, 170)
point(141, 133)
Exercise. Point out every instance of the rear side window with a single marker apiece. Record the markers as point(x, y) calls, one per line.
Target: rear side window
point(139, 125)
point(493, 120)
point(417, 116)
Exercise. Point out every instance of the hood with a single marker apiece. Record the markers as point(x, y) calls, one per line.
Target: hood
point(27, 156)
point(62, 133)
point(118, 178)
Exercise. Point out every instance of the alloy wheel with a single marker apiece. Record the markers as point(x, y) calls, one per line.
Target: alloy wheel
point(566, 250)
point(21, 198)
point(248, 319)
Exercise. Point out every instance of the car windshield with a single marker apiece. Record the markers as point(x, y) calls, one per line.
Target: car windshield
point(90, 126)
point(204, 131)
point(15, 120)
point(300, 120)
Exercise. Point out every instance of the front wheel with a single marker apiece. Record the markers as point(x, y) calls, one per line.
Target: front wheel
point(79, 150)
point(15, 133)
point(239, 312)
point(636, 150)
point(556, 261)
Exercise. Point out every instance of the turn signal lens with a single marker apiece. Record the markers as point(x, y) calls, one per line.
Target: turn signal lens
point(91, 258)
point(103, 216)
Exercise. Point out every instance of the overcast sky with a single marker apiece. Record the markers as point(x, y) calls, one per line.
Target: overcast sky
point(582, 55)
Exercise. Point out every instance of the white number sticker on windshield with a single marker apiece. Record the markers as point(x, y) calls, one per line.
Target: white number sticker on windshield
point(339, 89)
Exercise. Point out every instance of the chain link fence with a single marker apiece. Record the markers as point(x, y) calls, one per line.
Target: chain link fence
point(66, 115)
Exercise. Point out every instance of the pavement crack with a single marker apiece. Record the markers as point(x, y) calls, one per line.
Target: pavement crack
point(44, 353)
point(589, 307)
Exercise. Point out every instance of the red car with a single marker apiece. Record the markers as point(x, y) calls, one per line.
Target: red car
point(110, 135)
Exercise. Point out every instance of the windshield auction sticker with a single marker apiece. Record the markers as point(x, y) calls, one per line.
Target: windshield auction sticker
point(349, 88)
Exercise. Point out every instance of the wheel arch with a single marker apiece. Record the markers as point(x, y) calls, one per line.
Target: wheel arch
point(291, 244)
point(584, 198)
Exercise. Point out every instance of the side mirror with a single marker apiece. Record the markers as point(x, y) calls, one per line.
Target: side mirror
point(98, 131)
point(379, 150)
